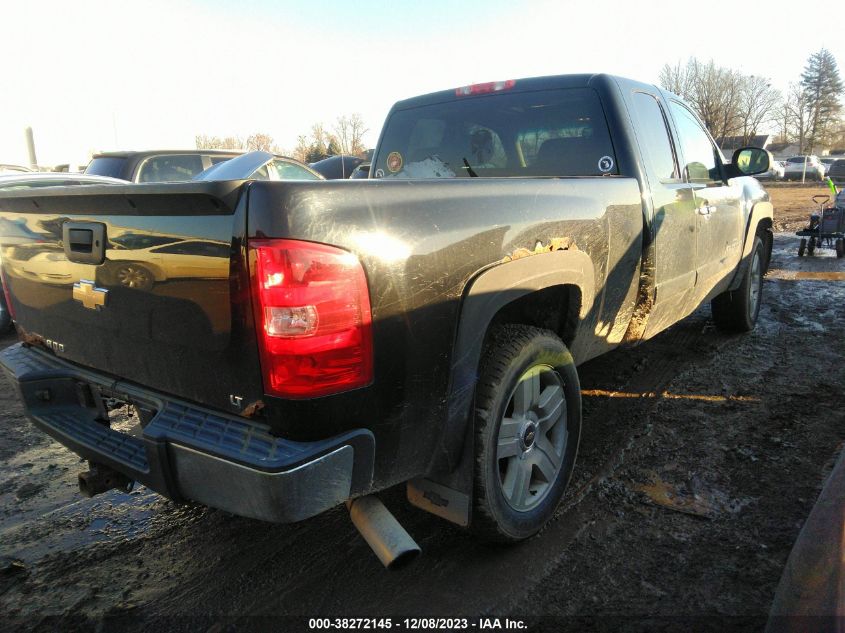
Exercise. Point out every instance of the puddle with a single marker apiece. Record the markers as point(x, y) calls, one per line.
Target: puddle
point(83, 522)
point(708, 505)
point(665, 395)
point(805, 275)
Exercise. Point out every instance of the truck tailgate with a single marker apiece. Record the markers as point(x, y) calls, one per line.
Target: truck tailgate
point(146, 282)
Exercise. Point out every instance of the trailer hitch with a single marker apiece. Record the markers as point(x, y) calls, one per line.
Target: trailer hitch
point(100, 478)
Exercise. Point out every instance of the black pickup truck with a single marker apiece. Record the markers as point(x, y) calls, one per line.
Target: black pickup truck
point(305, 344)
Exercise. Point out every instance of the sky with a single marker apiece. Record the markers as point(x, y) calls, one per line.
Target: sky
point(96, 76)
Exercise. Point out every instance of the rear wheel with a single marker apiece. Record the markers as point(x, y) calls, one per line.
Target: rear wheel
point(528, 425)
point(737, 310)
point(134, 276)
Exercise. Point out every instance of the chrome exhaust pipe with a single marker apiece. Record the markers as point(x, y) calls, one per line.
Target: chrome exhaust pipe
point(391, 543)
point(102, 479)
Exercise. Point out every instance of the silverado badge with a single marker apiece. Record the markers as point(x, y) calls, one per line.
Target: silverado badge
point(89, 295)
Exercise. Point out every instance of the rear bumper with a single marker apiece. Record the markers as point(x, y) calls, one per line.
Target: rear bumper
point(187, 452)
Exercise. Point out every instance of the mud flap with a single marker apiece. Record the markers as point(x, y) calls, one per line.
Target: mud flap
point(448, 495)
point(447, 503)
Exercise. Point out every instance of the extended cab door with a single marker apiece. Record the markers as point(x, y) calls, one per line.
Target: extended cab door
point(674, 218)
point(718, 205)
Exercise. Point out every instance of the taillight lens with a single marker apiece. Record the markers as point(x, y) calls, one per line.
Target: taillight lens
point(312, 308)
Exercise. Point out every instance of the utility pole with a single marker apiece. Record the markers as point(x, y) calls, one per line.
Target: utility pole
point(30, 148)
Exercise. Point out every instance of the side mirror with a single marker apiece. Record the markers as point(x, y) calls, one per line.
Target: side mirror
point(747, 161)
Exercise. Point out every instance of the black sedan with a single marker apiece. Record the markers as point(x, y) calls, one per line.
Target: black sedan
point(337, 167)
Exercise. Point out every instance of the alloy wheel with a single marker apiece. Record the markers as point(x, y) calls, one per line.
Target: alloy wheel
point(532, 438)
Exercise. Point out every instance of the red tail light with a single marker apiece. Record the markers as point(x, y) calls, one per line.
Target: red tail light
point(480, 89)
point(312, 306)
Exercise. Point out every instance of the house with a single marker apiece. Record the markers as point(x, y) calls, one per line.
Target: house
point(730, 144)
point(782, 151)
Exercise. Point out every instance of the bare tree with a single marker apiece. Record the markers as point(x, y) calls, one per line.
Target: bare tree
point(760, 104)
point(799, 116)
point(262, 142)
point(300, 152)
point(783, 122)
point(315, 146)
point(715, 95)
point(204, 141)
point(346, 137)
point(837, 137)
point(349, 132)
point(676, 78)
point(728, 102)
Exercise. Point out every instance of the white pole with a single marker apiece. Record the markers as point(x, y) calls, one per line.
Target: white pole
point(30, 147)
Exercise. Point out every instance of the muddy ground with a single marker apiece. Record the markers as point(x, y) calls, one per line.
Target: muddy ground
point(702, 454)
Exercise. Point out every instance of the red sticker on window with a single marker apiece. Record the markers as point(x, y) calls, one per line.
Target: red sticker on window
point(394, 162)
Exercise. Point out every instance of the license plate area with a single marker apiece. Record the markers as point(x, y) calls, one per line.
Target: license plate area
point(115, 410)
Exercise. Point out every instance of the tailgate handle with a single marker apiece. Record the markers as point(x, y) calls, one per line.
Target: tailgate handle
point(81, 240)
point(84, 242)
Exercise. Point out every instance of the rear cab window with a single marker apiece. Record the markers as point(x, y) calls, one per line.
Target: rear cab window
point(107, 166)
point(170, 168)
point(553, 133)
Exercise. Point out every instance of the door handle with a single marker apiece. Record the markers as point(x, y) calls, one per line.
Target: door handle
point(706, 209)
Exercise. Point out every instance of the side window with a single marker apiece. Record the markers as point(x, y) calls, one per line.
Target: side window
point(292, 171)
point(699, 153)
point(170, 167)
point(261, 173)
point(654, 137)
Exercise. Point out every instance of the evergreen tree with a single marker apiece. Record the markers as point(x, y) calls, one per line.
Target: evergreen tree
point(822, 87)
point(333, 147)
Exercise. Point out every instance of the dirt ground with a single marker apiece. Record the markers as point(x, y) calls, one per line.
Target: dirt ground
point(702, 455)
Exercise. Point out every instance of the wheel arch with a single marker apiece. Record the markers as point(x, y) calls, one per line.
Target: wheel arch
point(514, 292)
point(760, 222)
point(495, 296)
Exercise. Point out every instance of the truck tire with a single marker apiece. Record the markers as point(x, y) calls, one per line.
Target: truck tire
point(737, 310)
point(527, 429)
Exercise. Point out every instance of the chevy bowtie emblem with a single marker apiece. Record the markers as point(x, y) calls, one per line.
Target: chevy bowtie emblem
point(89, 295)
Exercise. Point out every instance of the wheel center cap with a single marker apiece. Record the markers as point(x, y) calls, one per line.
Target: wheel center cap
point(529, 434)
